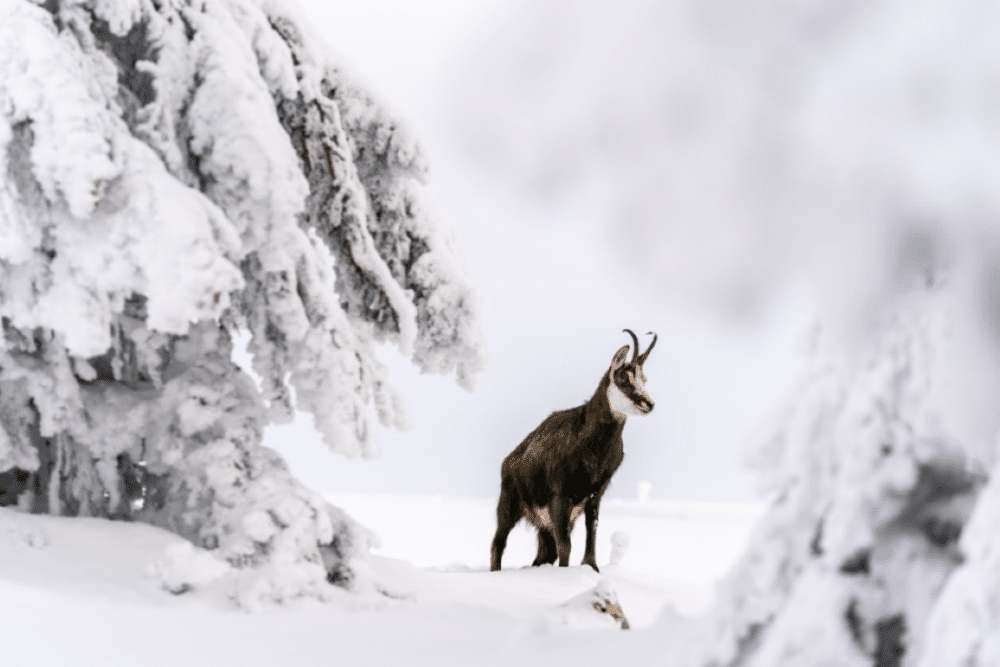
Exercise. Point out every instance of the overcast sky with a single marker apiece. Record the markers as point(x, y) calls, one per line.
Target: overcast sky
point(554, 302)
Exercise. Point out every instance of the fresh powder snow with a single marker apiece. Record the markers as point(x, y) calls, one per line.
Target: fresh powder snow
point(79, 591)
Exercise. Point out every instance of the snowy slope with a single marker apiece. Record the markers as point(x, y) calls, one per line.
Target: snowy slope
point(86, 591)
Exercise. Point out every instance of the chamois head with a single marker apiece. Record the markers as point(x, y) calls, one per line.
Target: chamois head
point(627, 388)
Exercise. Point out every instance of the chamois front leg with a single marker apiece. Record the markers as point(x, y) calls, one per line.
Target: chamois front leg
point(591, 509)
point(561, 511)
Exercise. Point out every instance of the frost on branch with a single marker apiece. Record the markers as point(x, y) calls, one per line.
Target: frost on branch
point(175, 172)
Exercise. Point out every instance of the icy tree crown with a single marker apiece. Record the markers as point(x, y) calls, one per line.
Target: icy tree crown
point(170, 162)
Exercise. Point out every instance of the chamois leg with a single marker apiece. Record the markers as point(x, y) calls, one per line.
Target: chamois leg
point(591, 510)
point(561, 512)
point(546, 548)
point(509, 512)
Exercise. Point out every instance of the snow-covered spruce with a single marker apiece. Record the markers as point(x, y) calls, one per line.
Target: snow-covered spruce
point(872, 495)
point(175, 172)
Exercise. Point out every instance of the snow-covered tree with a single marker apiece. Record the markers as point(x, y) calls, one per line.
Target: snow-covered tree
point(175, 173)
point(871, 492)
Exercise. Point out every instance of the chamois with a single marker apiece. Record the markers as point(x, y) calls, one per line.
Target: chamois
point(563, 467)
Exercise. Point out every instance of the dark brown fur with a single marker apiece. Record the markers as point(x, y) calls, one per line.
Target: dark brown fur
point(563, 467)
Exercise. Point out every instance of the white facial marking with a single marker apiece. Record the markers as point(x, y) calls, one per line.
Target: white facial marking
point(620, 404)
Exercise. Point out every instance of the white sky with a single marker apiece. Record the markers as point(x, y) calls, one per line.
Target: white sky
point(553, 304)
point(401, 46)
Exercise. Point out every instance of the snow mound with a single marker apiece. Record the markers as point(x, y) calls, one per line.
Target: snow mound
point(376, 576)
point(597, 608)
point(15, 533)
point(619, 546)
point(185, 567)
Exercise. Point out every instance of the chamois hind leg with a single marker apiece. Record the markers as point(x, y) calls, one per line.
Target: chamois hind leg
point(509, 512)
point(546, 548)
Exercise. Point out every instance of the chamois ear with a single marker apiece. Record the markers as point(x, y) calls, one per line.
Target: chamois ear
point(619, 359)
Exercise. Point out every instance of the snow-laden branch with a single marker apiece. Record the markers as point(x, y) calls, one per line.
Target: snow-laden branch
point(205, 141)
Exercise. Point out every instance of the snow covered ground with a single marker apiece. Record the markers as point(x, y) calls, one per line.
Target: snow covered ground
point(88, 591)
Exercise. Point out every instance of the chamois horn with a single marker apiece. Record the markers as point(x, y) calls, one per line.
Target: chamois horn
point(635, 339)
point(642, 357)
